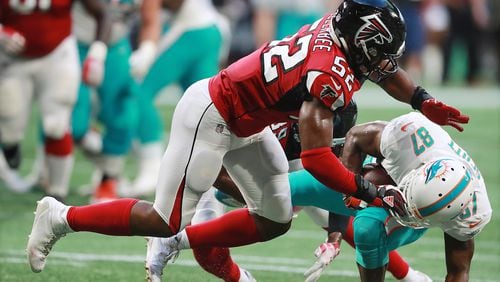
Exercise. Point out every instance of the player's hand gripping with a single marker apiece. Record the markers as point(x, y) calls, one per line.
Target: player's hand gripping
point(11, 41)
point(325, 254)
point(443, 114)
point(142, 59)
point(93, 66)
point(387, 196)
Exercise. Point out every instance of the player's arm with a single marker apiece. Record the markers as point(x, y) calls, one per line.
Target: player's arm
point(149, 34)
point(401, 87)
point(316, 132)
point(458, 258)
point(361, 140)
point(172, 5)
point(100, 12)
point(93, 66)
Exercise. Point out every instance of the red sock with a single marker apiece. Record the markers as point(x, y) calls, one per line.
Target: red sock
point(111, 218)
point(397, 265)
point(59, 147)
point(233, 229)
point(218, 262)
point(349, 233)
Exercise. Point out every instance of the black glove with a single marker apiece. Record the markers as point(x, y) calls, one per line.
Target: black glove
point(389, 197)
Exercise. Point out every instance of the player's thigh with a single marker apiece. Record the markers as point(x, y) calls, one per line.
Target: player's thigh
point(259, 169)
point(15, 99)
point(193, 157)
point(398, 236)
point(56, 86)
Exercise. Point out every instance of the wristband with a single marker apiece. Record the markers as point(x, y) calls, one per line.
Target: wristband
point(418, 97)
point(366, 191)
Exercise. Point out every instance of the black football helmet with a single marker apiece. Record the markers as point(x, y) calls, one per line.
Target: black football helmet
point(372, 34)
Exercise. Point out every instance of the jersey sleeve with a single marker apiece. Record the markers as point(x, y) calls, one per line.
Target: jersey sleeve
point(328, 89)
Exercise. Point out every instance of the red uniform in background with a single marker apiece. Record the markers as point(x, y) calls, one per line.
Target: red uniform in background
point(43, 23)
point(46, 70)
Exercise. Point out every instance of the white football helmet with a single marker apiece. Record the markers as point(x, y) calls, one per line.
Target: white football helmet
point(436, 192)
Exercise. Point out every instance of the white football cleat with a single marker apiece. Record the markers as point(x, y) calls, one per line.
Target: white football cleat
point(11, 178)
point(246, 276)
point(416, 276)
point(48, 227)
point(159, 252)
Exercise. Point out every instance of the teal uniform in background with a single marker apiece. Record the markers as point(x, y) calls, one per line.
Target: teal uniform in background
point(117, 95)
point(195, 55)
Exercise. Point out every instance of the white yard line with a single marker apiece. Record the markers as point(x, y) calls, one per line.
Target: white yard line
point(273, 264)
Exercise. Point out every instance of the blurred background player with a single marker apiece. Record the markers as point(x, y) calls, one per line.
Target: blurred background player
point(442, 185)
point(117, 92)
point(277, 19)
point(191, 47)
point(43, 65)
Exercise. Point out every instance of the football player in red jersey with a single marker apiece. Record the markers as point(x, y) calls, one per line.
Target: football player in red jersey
point(43, 64)
point(224, 120)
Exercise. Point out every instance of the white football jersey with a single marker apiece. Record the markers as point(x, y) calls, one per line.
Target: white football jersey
point(412, 140)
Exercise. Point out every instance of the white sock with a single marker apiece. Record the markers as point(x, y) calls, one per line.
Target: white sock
point(183, 240)
point(59, 170)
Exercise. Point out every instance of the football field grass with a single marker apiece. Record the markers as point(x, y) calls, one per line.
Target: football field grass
point(91, 257)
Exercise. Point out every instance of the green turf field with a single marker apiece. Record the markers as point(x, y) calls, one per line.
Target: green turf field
point(90, 257)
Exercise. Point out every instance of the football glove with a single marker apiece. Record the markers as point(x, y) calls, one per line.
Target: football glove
point(442, 114)
point(142, 59)
point(93, 66)
point(325, 254)
point(11, 41)
point(387, 196)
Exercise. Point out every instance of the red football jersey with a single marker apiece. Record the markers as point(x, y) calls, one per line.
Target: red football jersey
point(43, 23)
point(270, 84)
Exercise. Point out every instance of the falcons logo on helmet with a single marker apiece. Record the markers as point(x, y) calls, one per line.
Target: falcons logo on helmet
point(373, 29)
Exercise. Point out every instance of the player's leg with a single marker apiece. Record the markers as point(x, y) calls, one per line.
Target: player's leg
point(16, 90)
point(190, 166)
point(370, 238)
point(307, 191)
point(57, 86)
point(191, 65)
point(168, 68)
point(118, 114)
point(214, 260)
point(374, 238)
point(259, 169)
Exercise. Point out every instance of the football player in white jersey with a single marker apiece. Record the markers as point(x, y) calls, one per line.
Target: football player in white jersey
point(442, 186)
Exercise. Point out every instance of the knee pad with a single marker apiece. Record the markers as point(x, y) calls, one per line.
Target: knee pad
point(203, 169)
point(371, 242)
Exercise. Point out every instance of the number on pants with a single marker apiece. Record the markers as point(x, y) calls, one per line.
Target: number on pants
point(28, 6)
